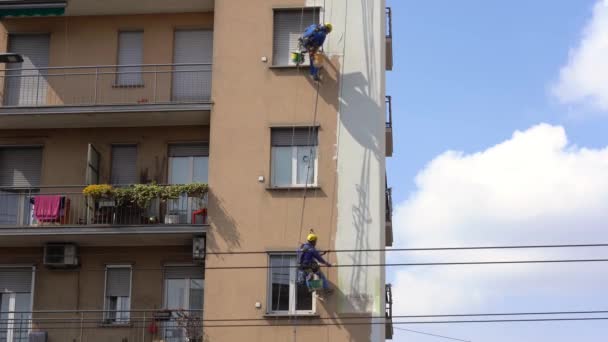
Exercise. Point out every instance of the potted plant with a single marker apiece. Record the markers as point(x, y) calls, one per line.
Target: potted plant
point(99, 191)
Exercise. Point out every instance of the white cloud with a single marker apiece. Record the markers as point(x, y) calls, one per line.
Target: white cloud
point(534, 188)
point(584, 79)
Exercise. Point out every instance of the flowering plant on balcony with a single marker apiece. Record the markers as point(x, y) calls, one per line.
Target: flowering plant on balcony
point(97, 191)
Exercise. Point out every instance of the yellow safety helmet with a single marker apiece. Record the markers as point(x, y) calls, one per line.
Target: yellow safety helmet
point(329, 27)
point(312, 237)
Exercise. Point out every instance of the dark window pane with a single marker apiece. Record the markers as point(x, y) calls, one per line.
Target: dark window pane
point(303, 298)
point(280, 272)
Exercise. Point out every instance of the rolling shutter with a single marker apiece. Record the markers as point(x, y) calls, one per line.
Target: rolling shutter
point(16, 279)
point(192, 83)
point(20, 167)
point(27, 87)
point(130, 52)
point(288, 27)
point(184, 272)
point(299, 136)
point(189, 150)
point(124, 164)
point(118, 282)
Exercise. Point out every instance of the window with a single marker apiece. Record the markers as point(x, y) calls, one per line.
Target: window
point(288, 27)
point(118, 294)
point(188, 163)
point(124, 164)
point(294, 156)
point(20, 167)
point(130, 52)
point(184, 289)
point(285, 294)
point(27, 82)
point(15, 303)
point(193, 52)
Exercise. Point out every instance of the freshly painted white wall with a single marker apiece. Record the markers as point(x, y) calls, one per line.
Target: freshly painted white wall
point(358, 40)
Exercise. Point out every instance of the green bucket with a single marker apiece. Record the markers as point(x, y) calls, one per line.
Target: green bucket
point(316, 284)
point(297, 57)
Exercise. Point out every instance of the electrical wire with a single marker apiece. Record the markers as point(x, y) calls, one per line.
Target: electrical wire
point(429, 334)
point(319, 324)
point(144, 319)
point(380, 250)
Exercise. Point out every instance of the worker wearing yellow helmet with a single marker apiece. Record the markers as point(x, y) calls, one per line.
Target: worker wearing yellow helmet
point(309, 259)
point(311, 42)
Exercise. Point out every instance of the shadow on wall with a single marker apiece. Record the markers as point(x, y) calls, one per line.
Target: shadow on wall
point(356, 332)
point(223, 224)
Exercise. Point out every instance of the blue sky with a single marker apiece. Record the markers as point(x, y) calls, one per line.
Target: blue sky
point(467, 75)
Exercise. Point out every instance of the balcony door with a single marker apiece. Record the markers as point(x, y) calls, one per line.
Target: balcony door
point(26, 83)
point(188, 163)
point(183, 293)
point(20, 169)
point(191, 80)
point(15, 303)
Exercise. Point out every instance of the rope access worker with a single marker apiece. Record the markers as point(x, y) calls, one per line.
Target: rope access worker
point(308, 261)
point(311, 41)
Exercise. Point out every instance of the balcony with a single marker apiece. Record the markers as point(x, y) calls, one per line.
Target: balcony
point(389, 312)
point(389, 216)
point(106, 96)
point(389, 126)
point(27, 8)
point(176, 324)
point(389, 39)
point(60, 214)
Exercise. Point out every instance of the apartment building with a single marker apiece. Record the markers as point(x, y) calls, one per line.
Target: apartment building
point(160, 97)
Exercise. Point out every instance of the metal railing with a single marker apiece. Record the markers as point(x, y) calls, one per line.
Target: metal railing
point(389, 311)
point(389, 204)
point(169, 325)
point(389, 111)
point(106, 85)
point(68, 206)
point(389, 23)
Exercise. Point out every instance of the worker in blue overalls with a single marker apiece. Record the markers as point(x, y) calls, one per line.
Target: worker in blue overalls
point(311, 41)
point(308, 262)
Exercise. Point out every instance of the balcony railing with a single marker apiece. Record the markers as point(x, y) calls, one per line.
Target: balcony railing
point(389, 311)
point(150, 84)
point(92, 325)
point(68, 206)
point(389, 126)
point(389, 39)
point(389, 111)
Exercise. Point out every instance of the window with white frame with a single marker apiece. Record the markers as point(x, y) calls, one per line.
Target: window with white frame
point(184, 290)
point(287, 295)
point(294, 156)
point(289, 24)
point(118, 294)
point(130, 58)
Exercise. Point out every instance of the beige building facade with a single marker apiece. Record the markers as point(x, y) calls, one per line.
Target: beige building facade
point(163, 94)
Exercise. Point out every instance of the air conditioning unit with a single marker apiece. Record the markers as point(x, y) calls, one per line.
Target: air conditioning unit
point(198, 248)
point(61, 255)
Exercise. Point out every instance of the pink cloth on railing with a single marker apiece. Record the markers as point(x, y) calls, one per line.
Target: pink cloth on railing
point(47, 208)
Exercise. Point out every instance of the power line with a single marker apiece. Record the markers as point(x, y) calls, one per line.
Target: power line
point(314, 324)
point(143, 319)
point(429, 334)
point(422, 249)
point(380, 250)
point(463, 263)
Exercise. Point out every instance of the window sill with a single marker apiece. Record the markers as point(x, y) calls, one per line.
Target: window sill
point(127, 86)
point(311, 315)
point(116, 325)
point(294, 187)
point(288, 67)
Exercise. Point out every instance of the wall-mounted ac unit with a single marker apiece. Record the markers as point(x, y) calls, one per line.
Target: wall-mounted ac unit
point(198, 248)
point(61, 255)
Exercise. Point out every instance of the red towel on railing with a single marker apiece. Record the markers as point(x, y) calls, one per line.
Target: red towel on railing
point(47, 208)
